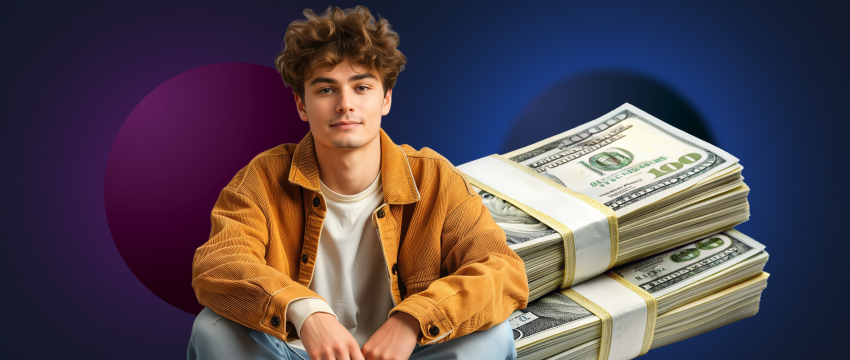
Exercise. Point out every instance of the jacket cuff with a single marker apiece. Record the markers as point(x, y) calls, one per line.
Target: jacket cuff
point(434, 325)
point(300, 309)
point(274, 319)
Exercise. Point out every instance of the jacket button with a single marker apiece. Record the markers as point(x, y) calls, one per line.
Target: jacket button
point(395, 268)
point(316, 201)
point(304, 258)
point(381, 214)
point(275, 321)
point(433, 330)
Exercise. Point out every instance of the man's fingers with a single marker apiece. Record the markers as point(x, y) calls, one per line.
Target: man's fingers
point(320, 356)
point(342, 353)
point(354, 352)
point(326, 353)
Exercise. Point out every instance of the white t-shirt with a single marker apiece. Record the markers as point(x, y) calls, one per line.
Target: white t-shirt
point(350, 272)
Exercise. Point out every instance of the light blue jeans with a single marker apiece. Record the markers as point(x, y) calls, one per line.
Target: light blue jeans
point(214, 337)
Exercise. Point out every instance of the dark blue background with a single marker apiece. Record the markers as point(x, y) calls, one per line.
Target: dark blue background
point(769, 80)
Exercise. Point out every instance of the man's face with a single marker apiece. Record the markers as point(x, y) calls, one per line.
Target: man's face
point(344, 105)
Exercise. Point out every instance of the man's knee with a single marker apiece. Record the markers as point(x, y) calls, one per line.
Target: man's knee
point(216, 337)
point(205, 327)
point(498, 334)
point(500, 339)
point(504, 330)
point(502, 334)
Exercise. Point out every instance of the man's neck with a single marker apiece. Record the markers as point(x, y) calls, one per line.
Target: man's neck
point(349, 171)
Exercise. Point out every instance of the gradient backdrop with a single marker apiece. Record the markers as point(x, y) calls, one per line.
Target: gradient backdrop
point(123, 120)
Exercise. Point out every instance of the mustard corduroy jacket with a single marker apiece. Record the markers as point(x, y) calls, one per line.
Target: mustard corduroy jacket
point(447, 261)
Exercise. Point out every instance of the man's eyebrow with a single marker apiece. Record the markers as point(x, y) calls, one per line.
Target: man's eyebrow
point(323, 80)
point(362, 76)
point(353, 78)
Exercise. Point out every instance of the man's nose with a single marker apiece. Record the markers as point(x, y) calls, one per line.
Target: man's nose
point(344, 103)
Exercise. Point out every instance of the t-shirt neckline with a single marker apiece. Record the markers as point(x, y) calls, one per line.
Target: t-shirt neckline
point(374, 187)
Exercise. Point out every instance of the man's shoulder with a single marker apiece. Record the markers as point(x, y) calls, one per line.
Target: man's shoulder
point(438, 167)
point(271, 163)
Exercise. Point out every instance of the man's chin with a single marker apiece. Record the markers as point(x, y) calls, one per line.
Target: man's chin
point(347, 143)
point(346, 140)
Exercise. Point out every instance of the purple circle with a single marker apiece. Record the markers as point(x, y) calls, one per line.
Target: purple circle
point(175, 153)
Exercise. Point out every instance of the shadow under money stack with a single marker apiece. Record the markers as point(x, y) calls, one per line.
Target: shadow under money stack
point(619, 188)
point(646, 304)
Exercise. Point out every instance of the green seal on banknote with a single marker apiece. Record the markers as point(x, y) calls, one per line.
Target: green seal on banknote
point(712, 243)
point(685, 255)
point(609, 160)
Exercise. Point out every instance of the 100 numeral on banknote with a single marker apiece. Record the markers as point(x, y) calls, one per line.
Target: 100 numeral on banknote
point(624, 160)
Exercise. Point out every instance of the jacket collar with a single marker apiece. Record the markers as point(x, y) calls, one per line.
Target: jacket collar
point(396, 176)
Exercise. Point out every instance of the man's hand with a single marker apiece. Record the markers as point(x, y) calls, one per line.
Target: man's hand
point(324, 338)
point(394, 340)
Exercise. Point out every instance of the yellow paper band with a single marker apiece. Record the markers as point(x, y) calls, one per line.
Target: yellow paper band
point(563, 230)
point(604, 316)
point(651, 309)
point(611, 295)
point(609, 213)
point(567, 235)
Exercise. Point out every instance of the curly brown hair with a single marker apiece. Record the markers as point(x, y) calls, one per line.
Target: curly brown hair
point(337, 35)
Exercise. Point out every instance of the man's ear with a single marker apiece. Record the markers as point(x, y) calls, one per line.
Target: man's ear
point(388, 100)
point(299, 104)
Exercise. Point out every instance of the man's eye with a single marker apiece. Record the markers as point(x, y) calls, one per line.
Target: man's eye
point(362, 88)
point(322, 91)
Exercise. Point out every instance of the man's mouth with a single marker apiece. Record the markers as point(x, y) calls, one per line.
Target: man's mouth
point(345, 124)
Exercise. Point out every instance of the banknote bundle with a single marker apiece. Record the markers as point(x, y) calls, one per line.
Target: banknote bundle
point(688, 290)
point(616, 189)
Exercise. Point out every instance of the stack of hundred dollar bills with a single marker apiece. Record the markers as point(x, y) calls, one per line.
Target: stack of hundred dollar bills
point(665, 186)
point(699, 287)
point(670, 201)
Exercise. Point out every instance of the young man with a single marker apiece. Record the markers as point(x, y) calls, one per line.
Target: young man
point(347, 246)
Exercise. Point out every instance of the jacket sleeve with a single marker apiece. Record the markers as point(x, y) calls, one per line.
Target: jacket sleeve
point(230, 274)
point(485, 280)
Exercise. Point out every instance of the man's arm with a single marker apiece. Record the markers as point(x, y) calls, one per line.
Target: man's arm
point(486, 280)
point(394, 340)
point(229, 272)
